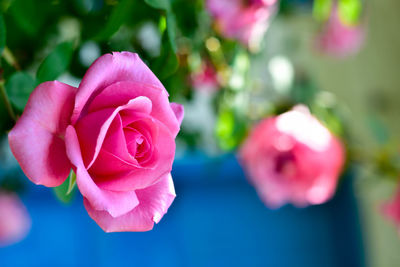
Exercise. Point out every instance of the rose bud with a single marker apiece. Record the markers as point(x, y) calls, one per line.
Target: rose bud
point(292, 158)
point(14, 219)
point(116, 131)
point(243, 20)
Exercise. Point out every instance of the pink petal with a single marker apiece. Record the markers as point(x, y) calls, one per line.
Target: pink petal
point(120, 93)
point(93, 128)
point(154, 202)
point(113, 203)
point(114, 157)
point(109, 69)
point(37, 139)
point(178, 110)
point(138, 178)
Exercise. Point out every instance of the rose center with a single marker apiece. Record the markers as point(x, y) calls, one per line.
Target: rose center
point(138, 144)
point(285, 164)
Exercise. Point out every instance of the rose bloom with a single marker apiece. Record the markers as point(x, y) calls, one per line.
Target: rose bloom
point(244, 20)
point(391, 209)
point(14, 219)
point(339, 39)
point(116, 131)
point(292, 158)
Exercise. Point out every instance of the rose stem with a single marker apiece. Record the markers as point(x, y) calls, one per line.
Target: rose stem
point(7, 101)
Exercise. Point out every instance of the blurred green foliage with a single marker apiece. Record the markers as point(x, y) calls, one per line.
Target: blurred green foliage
point(19, 87)
point(56, 63)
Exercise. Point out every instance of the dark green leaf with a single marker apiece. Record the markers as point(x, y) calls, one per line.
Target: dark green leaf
point(2, 34)
point(160, 4)
point(26, 14)
point(167, 63)
point(19, 86)
point(171, 29)
point(118, 16)
point(56, 63)
point(63, 192)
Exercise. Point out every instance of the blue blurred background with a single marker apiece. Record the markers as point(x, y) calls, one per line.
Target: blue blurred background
point(216, 220)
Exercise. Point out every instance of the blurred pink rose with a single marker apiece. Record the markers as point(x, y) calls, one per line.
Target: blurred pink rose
point(14, 219)
point(117, 131)
point(292, 158)
point(244, 20)
point(339, 39)
point(205, 79)
point(391, 209)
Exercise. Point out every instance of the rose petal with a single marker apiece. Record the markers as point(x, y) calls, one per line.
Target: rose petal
point(93, 128)
point(108, 69)
point(154, 202)
point(113, 203)
point(37, 139)
point(178, 110)
point(120, 93)
point(114, 157)
point(138, 178)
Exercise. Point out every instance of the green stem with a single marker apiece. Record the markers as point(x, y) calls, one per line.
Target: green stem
point(7, 101)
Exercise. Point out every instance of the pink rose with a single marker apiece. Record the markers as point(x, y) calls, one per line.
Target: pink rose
point(391, 209)
point(14, 219)
point(116, 130)
point(339, 39)
point(244, 20)
point(292, 158)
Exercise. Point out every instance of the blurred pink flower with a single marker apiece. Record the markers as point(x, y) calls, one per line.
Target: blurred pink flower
point(205, 79)
point(14, 219)
point(338, 38)
point(292, 158)
point(391, 209)
point(244, 20)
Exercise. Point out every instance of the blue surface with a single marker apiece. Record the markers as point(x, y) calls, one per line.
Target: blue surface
point(216, 220)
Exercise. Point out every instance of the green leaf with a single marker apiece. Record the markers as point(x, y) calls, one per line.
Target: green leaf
point(322, 9)
point(26, 14)
point(167, 63)
point(171, 29)
point(63, 192)
point(72, 182)
point(56, 63)
point(19, 87)
point(2, 34)
point(170, 18)
point(160, 4)
point(224, 129)
point(349, 11)
point(118, 16)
